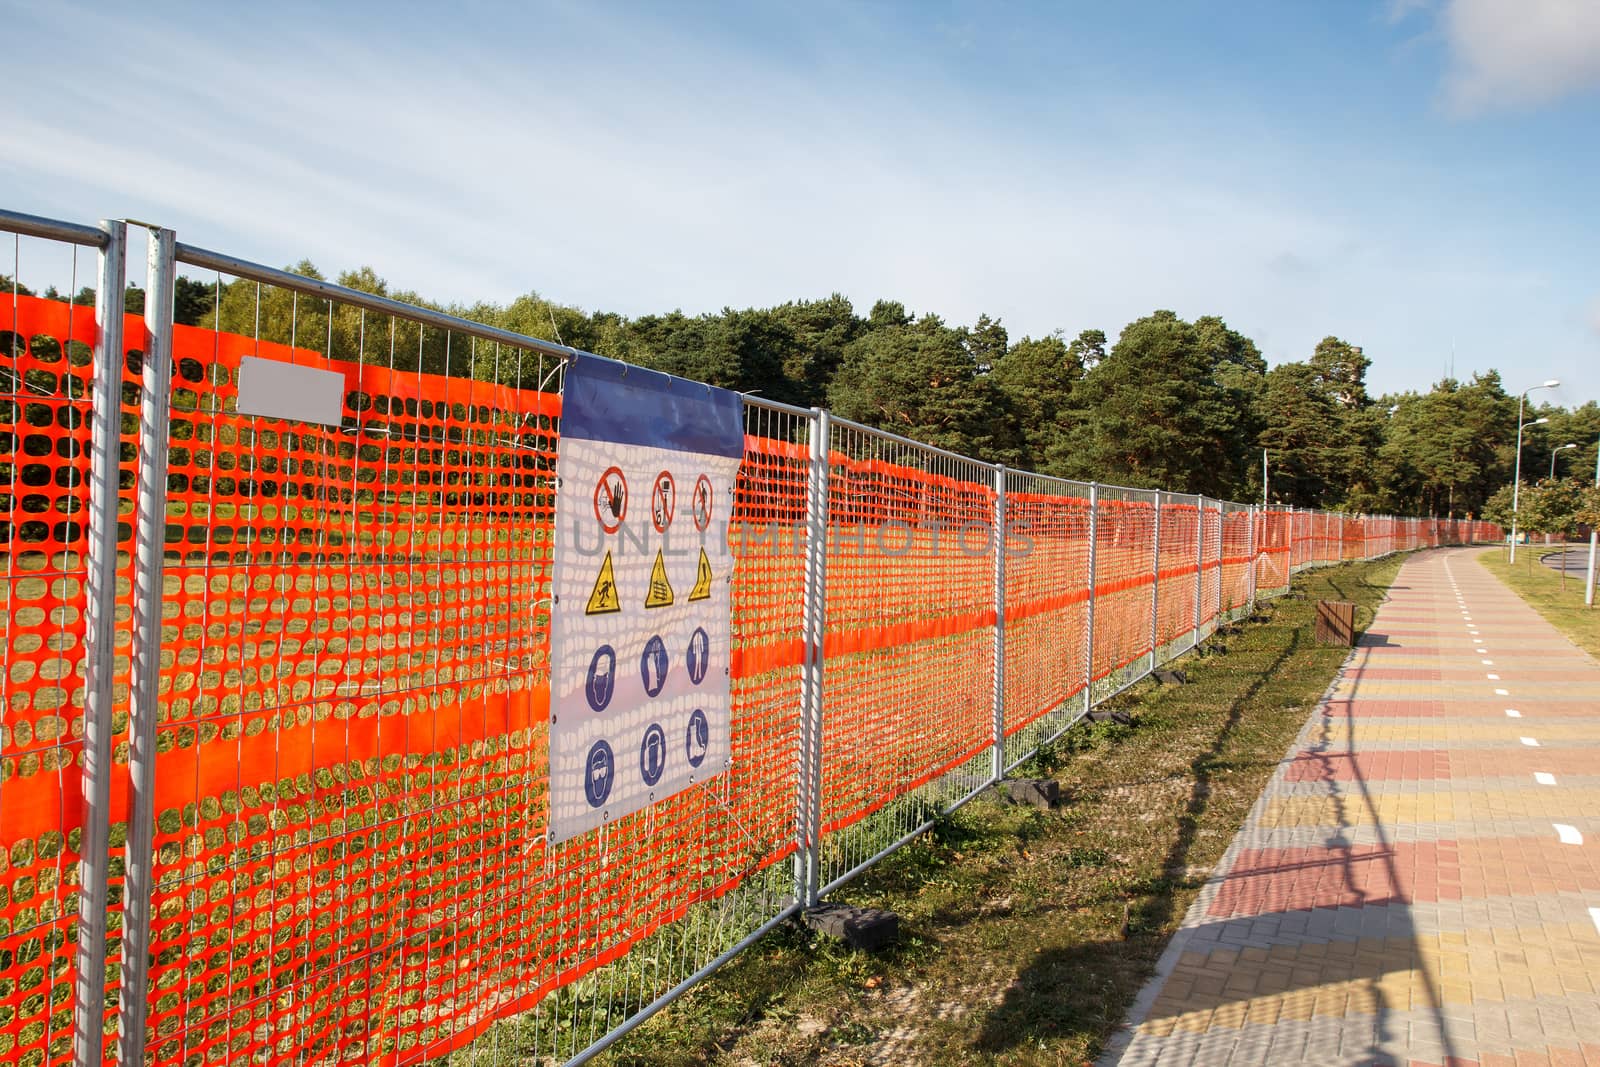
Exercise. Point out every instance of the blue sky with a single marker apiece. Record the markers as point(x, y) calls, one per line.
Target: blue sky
point(1410, 175)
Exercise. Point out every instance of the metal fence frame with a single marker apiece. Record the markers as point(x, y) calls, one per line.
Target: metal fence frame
point(1313, 539)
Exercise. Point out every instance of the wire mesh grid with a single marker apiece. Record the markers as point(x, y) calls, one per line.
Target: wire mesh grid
point(47, 369)
point(350, 787)
point(908, 721)
point(1047, 609)
point(1178, 577)
point(347, 790)
point(1125, 527)
point(1238, 561)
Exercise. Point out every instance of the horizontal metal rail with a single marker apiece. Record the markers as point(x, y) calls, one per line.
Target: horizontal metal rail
point(382, 305)
point(920, 446)
point(34, 226)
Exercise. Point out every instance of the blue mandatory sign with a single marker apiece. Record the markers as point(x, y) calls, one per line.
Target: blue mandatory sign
point(598, 772)
point(699, 655)
point(653, 666)
point(653, 754)
point(602, 681)
point(697, 740)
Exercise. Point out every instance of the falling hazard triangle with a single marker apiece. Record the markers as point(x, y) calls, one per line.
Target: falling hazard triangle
point(702, 579)
point(660, 594)
point(604, 600)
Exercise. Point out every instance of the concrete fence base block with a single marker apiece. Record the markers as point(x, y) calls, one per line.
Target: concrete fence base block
point(867, 929)
point(1121, 718)
point(1173, 677)
point(1041, 793)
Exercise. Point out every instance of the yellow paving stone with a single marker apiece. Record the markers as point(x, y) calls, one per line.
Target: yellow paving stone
point(1487, 989)
point(1263, 1011)
point(1296, 1007)
point(1230, 1016)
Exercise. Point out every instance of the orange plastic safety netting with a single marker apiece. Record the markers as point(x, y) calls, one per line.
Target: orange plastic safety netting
point(46, 371)
point(909, 640)
point(350, 778)
point(350, 784)
point(1238, 558)
point(1047, 596)
point(1125, 567)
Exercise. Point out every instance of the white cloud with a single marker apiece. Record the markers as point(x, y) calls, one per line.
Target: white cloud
point(1517, 53)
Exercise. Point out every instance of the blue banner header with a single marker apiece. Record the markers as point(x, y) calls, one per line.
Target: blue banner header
point(604, 400)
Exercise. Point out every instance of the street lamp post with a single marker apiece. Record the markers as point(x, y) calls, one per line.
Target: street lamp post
point(1553, 453)
point(1516, 478)
point(1588, 581)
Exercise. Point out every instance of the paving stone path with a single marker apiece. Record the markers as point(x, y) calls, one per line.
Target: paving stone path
point(1420, 882)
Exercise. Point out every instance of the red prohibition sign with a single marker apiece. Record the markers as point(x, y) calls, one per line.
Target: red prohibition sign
point(611, 500)
point(663, 499)
point(702, 503)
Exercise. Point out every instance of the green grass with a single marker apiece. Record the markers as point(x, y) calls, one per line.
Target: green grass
point(1025, 935)
point(1541, 586)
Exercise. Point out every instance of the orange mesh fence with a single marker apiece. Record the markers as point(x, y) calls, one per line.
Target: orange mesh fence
point(1210, 565)
point(352, 797)
point(1047, 596)
point(45, 374)
point(1274, 558)
point(351, 712)
point(1180, 547)
point(350, 789)
point(350, 780)
point(1237, 559)
point(909, 640)
point(1124, 569)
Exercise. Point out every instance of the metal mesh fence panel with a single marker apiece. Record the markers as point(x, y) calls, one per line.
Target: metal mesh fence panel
point(1237, 526)
point(48, 364)
point(350, 690)
point(1177, 597)
point(348, 789)
point(1273, 553)
point(1047, 608)
point(1211, 566)
point(908, 725)
point(1124, 570)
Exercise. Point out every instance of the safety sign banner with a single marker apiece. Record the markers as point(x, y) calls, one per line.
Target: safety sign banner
point(641, 624)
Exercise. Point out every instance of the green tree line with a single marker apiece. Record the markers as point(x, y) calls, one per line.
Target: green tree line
point(1174, 404)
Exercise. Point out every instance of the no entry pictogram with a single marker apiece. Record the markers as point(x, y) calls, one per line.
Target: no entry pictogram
point(663, 501)
point(702, 503)
point(611, 499)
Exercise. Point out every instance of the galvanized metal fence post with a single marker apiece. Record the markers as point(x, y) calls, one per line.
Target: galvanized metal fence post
point(1088, 664)
point(808, 874)
point(1254, 560)
point(100, 609)
point(1199, 564)
point(1155, 587)
point(999, 694)
point(145, 652)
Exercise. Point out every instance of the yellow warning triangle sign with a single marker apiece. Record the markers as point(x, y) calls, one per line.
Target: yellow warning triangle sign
point(660, 594)
point(604, 599)
point(702, 579)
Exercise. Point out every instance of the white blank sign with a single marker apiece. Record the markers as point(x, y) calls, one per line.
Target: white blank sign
point(277, 390)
